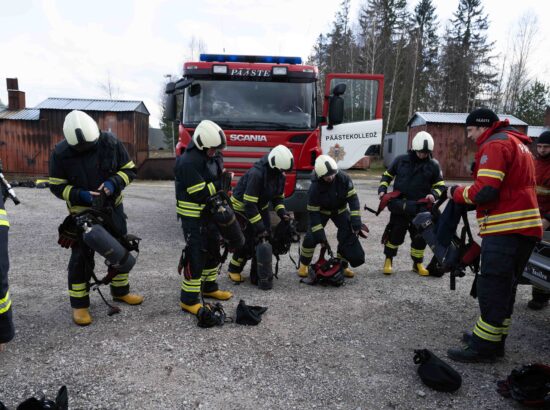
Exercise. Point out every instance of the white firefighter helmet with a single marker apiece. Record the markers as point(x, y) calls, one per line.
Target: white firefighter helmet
point(80, 130)
point(325, 166)
point(423, 141)
point(281, 158)
point(208, 134)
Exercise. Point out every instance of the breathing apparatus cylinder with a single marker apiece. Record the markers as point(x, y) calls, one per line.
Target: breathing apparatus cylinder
point(447, 256)
point(264, 263)
point(101, 241)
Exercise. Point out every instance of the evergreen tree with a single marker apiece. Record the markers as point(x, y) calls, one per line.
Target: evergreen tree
point(466, 59)
point(532, 103)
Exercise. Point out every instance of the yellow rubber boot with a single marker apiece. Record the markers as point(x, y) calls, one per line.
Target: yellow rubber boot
point(348, 273)
point(218, 294)
point(420, 269)
point(236, 277)
point(387, 267)
point(82, 316)
point(303, 270)
point(193, 309)
point(129, 299)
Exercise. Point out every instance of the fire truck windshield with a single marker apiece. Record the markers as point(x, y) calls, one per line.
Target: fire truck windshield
point(251, 104)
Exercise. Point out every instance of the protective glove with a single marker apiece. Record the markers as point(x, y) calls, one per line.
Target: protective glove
point(85, 196)
point(108, 187)
point(68, 233)
point(283, 215)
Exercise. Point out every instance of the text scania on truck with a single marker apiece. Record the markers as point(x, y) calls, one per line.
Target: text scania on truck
point(264, 101)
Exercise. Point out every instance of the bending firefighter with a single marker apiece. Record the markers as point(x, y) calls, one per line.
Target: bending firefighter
point(332, 196)
point(419, 180)
point(262, 184)
point(509, 225)
point(198, 175)
point(87, 164)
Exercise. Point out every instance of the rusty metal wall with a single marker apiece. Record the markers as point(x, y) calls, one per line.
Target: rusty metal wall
point(25, 146)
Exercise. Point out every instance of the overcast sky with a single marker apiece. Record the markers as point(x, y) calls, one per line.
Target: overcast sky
point(62, 48)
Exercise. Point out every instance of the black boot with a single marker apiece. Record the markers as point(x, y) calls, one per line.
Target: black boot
point(499, 352)
point(469, 355)
point(539, 300)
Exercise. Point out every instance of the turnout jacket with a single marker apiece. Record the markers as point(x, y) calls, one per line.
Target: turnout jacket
point(504, 184)
point(72, 171)
point(542, 170)
point(332, 198)
point(197, 178)
point(259, 186)
point(414, 177)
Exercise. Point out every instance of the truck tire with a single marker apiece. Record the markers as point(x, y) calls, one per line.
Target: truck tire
point(302, 221)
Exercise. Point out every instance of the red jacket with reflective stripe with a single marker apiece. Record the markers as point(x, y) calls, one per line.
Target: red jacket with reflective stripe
point(504, 184)
point(542, 166)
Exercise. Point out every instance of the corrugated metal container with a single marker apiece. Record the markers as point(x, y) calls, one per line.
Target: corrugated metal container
point(454, 151)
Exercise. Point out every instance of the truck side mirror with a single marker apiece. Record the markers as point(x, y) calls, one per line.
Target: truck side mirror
point(170, 105)
point(336, 106)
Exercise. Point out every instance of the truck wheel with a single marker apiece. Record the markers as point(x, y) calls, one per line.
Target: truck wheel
point(302, 221)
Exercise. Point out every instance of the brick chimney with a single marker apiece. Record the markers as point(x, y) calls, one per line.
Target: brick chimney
point(16, 98)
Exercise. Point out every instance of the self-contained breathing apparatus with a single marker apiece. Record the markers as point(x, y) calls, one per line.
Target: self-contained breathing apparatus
point(284, 235)
point(94, 227)
point(326, 271)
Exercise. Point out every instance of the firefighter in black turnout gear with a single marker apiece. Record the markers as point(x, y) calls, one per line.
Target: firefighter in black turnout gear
point(84, 164)
point(198, 175)
point(262, 184)
point(7, 330)
point(332, 196)
point(418, 177)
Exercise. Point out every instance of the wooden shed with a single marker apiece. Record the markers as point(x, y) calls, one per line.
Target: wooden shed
point(452, 149)
point(28, 135)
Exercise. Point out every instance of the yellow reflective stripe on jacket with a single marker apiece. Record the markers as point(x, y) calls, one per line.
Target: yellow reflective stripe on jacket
point(355, 213)
point(76, 208)
point(509, 226)
point(5, 303)
point(196, 188)
point(255, 218)
point(465, 195)
point(542, 190)
point(4, 218)
point(491, 173)
point(250, 198)
point(316, 228)
point(351, 192)
point(128, 165)
point(67, 192)
point(341, 210)
point(325, 211)
point(384, 183)
point(56, 181)
point(119, 199)
point(211, 188)
point(313, 208)
point(190, 205)
point(386, 173)
point(282, 196)
point(437, 191)
point(265, 207)
point(438, 184)
point(237, 205)
point(509, 216)
point(124, 177)
point(280, 206)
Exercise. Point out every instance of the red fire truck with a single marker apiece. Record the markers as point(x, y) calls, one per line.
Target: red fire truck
point(264, 101)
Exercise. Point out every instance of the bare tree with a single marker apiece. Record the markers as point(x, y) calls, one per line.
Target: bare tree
point(522, 45)
point(109, 88)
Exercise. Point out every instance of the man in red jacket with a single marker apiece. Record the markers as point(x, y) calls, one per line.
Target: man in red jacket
point(542, 167)
point(509, 224)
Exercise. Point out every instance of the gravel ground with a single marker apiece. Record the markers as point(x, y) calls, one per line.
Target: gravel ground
point(331, 348)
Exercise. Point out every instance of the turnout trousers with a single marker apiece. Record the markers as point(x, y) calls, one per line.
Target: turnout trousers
point(7, 330)
point(81, 266)
point(202, 252)
point(503, 259)
point(398, 226)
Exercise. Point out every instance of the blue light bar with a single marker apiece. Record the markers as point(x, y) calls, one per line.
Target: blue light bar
point(229, 58)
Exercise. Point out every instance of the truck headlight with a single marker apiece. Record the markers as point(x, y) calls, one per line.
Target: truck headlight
point(303, 184)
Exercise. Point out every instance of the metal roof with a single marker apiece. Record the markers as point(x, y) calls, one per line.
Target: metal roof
point(26, 114)
point(421, 118)
point(93, 105)
point(534, 131)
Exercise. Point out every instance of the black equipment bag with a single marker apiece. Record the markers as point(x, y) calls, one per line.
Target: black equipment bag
point(61, 402)
point(435, 373)
point(249, 315)
point(529, 385)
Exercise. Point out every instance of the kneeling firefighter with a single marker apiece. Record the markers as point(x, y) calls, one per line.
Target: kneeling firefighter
point(332, 196)
point(419, 179)
point(262, 184)
point(199, 173)
point(87, 165)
